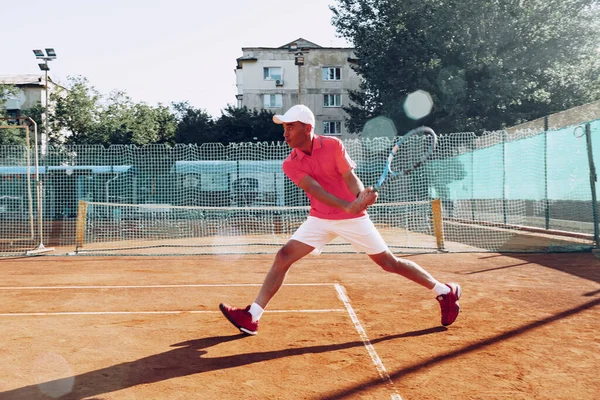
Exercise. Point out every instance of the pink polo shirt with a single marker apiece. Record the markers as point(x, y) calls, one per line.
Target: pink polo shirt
point(328, 161)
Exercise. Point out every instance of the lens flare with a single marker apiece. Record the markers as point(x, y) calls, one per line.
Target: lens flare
point(418, 104)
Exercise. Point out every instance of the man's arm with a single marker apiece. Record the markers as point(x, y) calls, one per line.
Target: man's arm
point(311, 186)
point(365, 196)
point(314, 188)
point(353, 182)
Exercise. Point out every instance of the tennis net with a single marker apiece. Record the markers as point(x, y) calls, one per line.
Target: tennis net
point(168, 229)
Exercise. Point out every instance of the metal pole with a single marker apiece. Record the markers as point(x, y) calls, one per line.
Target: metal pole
point(299, 99)
point(504, 210)
point(299, 61)
point(593, 179)
point(29, 193)
point(473, 185)
point(46, 113)
point(546, 200)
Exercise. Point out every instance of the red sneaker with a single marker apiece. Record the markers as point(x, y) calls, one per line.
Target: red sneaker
point(449, 304)
point(240, 318)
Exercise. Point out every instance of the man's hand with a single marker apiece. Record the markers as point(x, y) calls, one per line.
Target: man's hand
point(365, 198)
point(368, 196)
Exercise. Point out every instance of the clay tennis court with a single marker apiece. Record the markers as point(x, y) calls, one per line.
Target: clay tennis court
point(83, 327)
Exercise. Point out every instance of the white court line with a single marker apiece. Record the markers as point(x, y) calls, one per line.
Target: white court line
point(341, 291)
point(155, 312)
point(152, 286)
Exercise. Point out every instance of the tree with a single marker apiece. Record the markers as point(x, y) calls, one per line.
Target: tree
point(9, 136)
point(245, 125)
point(6, 91)
point(77, 112)
point(91, 119)
point(167, 124)
point(193, 125)
point(18, 135)
point(264, 129)
point(487, 64)
point(126, 122)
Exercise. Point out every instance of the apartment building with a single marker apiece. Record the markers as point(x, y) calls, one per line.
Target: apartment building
point(31, 90)
point(299, 72)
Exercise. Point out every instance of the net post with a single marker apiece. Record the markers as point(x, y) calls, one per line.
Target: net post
point(438, 227)
point(593, 180)
point(80, 227)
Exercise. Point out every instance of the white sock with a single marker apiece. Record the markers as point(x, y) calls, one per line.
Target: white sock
point(256, 312)
point(440, 289)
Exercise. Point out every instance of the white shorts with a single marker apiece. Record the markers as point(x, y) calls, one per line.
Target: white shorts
point(360, 232)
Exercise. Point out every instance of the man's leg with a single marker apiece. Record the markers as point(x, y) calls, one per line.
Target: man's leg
point(291, 252)
point(407, 268)
point(446, 294)
point(246, 320)
point(363, 234)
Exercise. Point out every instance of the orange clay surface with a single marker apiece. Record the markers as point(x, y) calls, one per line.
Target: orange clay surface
point(149, 328)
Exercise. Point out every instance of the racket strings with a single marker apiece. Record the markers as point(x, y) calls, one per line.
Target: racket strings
point(411, 153)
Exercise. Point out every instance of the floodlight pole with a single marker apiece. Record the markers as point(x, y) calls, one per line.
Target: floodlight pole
point(49, 55)
point(46, 132)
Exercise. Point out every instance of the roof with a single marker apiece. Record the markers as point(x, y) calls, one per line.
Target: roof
point(23, 79)
point(26, 79)
point(240, 60)
point(301, 43)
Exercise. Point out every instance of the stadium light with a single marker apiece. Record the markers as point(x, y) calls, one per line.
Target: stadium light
point(51, 53)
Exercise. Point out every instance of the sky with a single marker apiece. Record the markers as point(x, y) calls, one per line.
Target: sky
point(157, 51)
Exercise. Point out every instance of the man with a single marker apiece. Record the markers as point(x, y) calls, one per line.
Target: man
point(321, 167)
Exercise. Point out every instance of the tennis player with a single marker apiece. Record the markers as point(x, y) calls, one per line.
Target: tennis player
point(321, 167)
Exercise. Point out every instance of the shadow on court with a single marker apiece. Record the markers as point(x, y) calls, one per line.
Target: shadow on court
point(351, 392)
point(185, 359)
point(582, 265)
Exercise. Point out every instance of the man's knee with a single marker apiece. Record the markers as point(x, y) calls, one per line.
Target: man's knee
point(385, 260)
point(285, 257)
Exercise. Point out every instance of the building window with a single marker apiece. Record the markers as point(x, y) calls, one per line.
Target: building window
point(332, 74)
point(273, 100)
point(13, 113)
point(332, 100)
point(332, 127)
point(272, 73)
point(12, 116)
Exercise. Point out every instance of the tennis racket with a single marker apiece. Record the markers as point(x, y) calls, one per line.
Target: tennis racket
point(412, 150)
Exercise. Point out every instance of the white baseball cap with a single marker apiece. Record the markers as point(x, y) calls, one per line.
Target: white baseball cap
point(299, 113)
